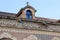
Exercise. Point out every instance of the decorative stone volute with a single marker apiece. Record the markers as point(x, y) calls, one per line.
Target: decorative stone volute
point(31, 37)
point(7, 35)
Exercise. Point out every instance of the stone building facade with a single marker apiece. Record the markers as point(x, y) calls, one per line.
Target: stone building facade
point(26, 26)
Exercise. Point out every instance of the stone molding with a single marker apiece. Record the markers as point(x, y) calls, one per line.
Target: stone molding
point(55, 38)
point(31, 37)
point(7, 35)
point(29, 31)
point(26, 25)
point(10, 23)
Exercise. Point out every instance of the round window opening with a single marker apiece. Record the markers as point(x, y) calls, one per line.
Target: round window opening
point(28, 14)
point(5, 39)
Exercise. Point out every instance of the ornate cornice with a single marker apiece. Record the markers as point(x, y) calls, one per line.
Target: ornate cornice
point(25, 24)
point(29, 31)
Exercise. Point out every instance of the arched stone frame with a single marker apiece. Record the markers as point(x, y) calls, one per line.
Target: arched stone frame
point(29, 14)
point(28, 9)
point(55, 38)
point(7, 35)
point(33, 13)
point(31, 37)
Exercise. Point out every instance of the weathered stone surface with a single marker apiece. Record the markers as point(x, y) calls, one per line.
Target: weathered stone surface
point(28, 25)
point(33, 25)
point(14, 23)
point(28, 34)
point(54, 28)
point(10, 23)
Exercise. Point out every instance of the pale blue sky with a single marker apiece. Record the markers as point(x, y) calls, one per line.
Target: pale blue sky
point(45, 8)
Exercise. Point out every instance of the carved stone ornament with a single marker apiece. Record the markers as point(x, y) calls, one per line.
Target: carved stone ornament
point(10, 23)
point(30, 25)
point(55, 38)
point(31, 37)
point(7, 35)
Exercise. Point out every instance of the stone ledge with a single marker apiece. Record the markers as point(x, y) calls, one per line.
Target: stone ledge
point(29, 31)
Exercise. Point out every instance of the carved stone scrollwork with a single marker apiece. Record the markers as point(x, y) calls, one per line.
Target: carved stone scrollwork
point(30, 25)
point(31, 37)
point(7, 35)
point(10, 23)
point(27, 25)
point(55, 38)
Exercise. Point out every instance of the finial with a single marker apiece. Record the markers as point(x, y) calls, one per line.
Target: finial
point(27, 3)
